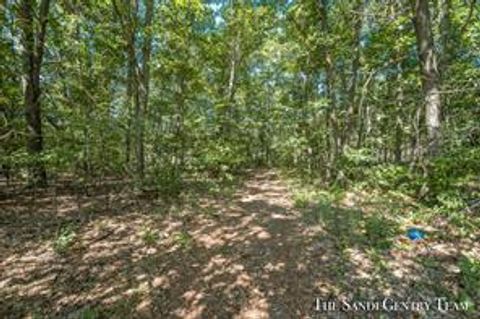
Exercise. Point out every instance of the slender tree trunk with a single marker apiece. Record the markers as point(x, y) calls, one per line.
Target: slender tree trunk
point(352, 90)
point(332, 134)
point(128, 107)
point(430, 76)
point(332, 138)
point(127, 13)
point(33, 41)
point(143, 85)
point(398, 140)
point(232, 80)
point(363, 112)
point(135, 81)
point(128, 22)
point(398, 116)
point(446, 41)
point(179, 125)
point(447, 52)
point(416, 142)
point(147, 49)
point(232, 73)
point(139, 119)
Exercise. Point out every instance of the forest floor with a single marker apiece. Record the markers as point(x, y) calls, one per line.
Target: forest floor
point(248, 252)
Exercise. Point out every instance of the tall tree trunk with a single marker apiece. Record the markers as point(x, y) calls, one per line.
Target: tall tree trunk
point(399, 97)
point(416, 141)
point(232, 81)
point(128, 107)
point(398, 115)
point(127, 13)
point(332, 136)
point(232, 73)
point(139, 123)
point(180, 123)
point(363, 112)
point(143, 82)
point(119, 7)
point(352, 90)
point(33, 41)
point(430, 76)
point(137, 92)
point(147, 49)
point(447, 53)
point(445, 36)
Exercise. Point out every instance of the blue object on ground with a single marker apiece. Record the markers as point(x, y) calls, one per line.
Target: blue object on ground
point(415, 234)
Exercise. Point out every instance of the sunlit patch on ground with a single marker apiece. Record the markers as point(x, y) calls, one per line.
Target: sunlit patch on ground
point(253, 255)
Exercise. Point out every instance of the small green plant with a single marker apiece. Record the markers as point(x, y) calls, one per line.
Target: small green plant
point(464, 224)
point(301, 200)
point(450, 201)
point(305, 197)
point(470, 277)
point(380, 232)
point(184, 239)
point(318, 214)
point(64, 239)
point(36, 314)
point(377, 259)
point(335, 194)
point(149, 236)
point(88, 313)
point(166, 181)
point(388, 177)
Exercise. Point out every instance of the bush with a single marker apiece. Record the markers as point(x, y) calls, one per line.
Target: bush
point(166, 180)
point(389, 177)
point(222, 159)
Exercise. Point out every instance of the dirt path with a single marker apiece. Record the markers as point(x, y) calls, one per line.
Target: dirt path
point(248, 261)
point(257, 265)
point(249, 255)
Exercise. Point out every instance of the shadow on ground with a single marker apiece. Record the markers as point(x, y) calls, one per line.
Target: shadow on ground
point(249, 255)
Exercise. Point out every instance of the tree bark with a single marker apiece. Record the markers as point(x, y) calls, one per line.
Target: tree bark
point(398, 119)
point(446, 36)
point(352, 96)
point(430, 75)
point(232, 81)
point(332, 136)
point(143, 83)
point(33, 41)
point(147, 49)
point(127, 13)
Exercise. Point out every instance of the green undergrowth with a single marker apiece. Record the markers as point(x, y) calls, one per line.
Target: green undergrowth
point(64, 239)
point(387, 197)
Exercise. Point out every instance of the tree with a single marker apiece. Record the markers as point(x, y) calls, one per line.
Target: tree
point(219, 85)
point(138, 74)
point(429, 74)
point(33, 41)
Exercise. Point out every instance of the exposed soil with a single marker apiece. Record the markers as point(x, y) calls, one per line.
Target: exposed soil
point(248, 255)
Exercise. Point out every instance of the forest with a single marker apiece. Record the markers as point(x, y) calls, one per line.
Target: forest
point(239, 159)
